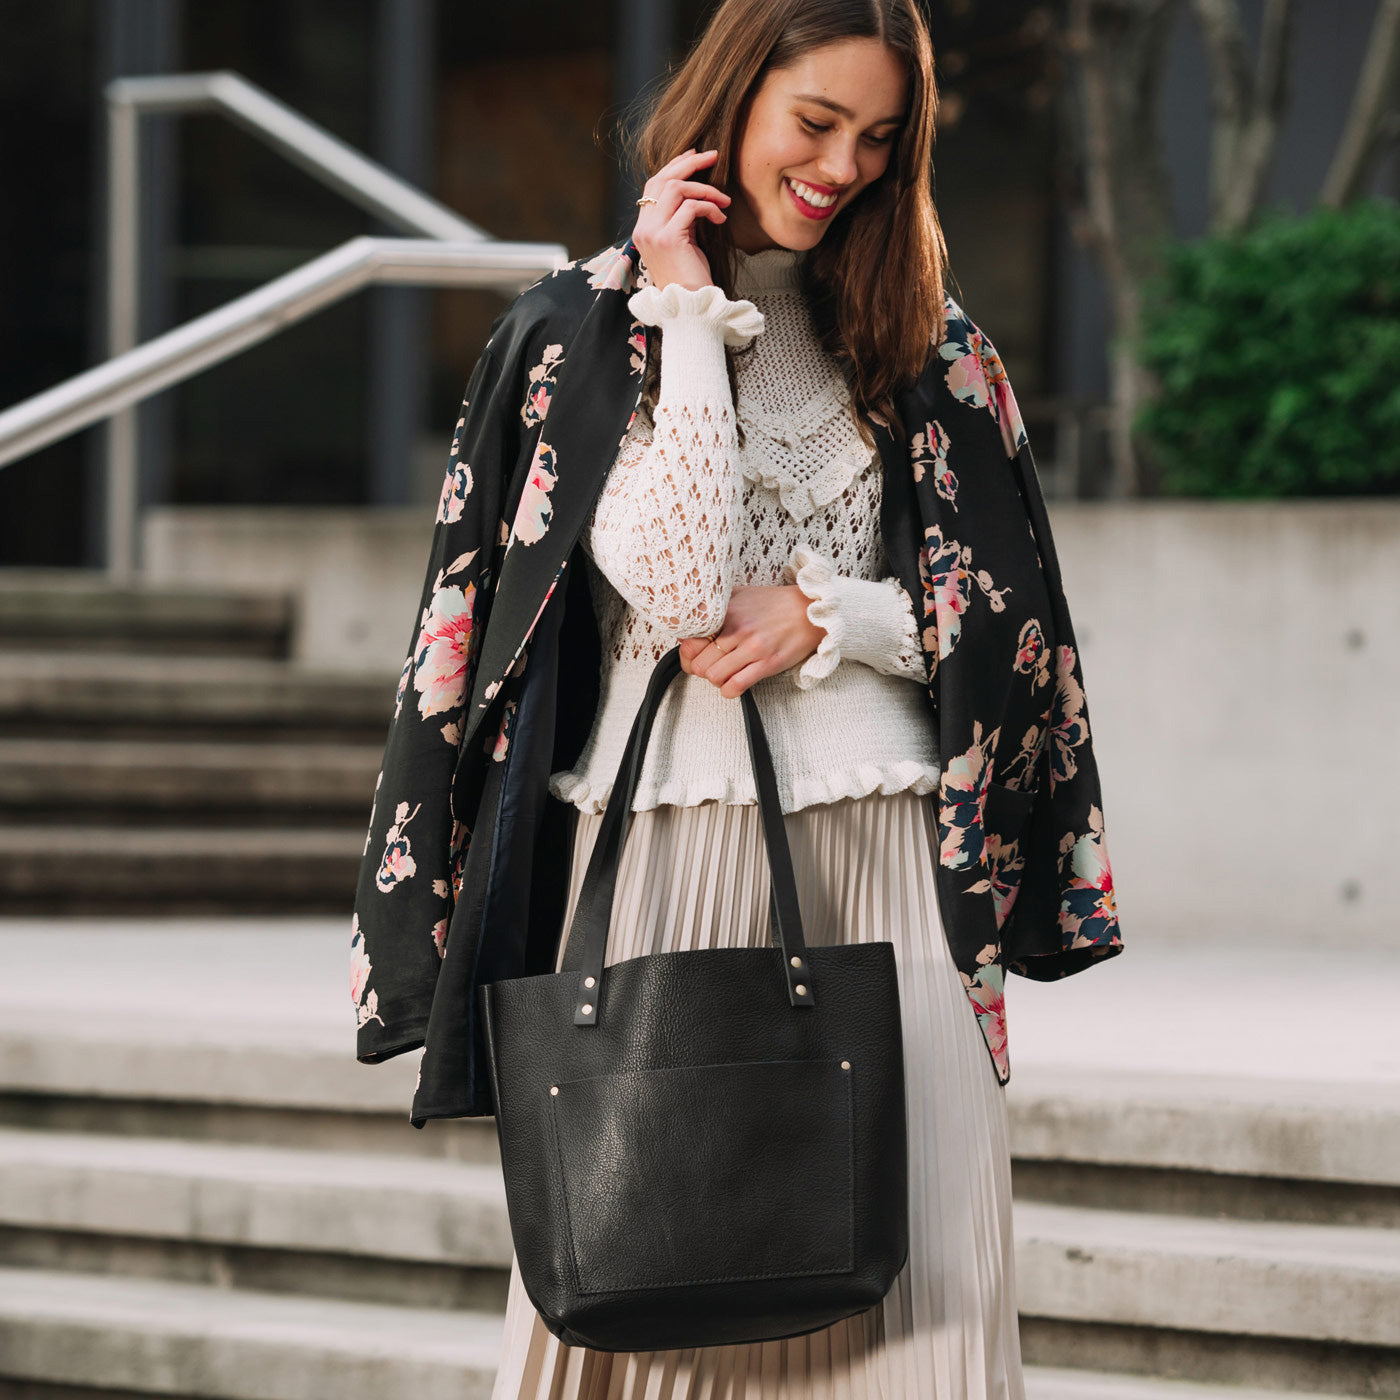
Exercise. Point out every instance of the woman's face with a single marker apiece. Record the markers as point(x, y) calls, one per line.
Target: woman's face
point(817, 134)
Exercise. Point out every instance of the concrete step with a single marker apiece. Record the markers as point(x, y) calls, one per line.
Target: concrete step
point(96, 869)
point(77, 609)
point(204, 782)
point(155, 1337)
point(1208, 1144)
point(289, 1083)
point(294, 1199)
point(1297, 1306)
point(58, 695)
point(1052, 1383)
point(1328, 1283)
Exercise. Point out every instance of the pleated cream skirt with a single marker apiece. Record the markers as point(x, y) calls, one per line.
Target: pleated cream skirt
point(698, 876)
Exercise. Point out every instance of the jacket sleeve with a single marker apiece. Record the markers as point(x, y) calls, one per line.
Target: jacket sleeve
point(1065, 914)
point(414, 849)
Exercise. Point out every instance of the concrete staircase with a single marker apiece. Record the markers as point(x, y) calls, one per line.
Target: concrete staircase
point(160, 754)
point(199, 1203)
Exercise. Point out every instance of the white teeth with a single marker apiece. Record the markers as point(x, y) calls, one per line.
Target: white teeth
point(818, 201)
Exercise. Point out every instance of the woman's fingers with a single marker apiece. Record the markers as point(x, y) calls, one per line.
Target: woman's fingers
point(674, 191)
point(683, 166)
point(692, 209)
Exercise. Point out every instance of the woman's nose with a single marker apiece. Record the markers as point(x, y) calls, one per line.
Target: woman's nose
point(838, 168)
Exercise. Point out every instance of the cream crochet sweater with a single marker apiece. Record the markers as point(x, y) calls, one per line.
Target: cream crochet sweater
point(685, 514)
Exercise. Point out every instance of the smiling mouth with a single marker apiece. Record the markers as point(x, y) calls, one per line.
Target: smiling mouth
point(810, 202)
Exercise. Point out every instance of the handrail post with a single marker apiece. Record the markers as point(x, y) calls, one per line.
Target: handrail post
point(122, 480)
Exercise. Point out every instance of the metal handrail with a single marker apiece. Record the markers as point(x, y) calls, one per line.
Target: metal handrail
point(178, 354)
point(448, 250)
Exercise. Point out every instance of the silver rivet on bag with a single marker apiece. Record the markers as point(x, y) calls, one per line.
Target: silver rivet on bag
point(796, 962)
point(587, 1008)
point(845, 1064)
point(553, 1088)
point(801, 990)
point(587, 981)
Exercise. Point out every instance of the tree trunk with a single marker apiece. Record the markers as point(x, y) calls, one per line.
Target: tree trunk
point(1373, 117)
point(1248, 105)
point(1125, 219)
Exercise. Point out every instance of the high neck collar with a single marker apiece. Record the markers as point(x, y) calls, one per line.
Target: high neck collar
point(773, 270)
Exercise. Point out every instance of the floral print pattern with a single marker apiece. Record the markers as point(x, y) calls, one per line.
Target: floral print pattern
point(1089, 910)
point(397, 864)
point(976, 376)
point(945, 569)
point(535, 511)
point(986, 990)
point(962, 792)
point(1068, 727)
point(541, 386)
point(1032, 655)
point(363, 997)
point(443, 651)
point(930, 448)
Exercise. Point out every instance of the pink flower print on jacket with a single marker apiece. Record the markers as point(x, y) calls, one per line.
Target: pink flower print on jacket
point(397, 863)
point(930, 448)
point(962, 791)
point(1032, 654)
point(535, 510)
point(945, 567)
point(986, 989)
point(945, 591)
point(443, 650)
point(1088, 907)
point(501, 744)
point(977, 376)
point(541, 380)
point(610, 270)
point(363, 997)
point(1068, 726)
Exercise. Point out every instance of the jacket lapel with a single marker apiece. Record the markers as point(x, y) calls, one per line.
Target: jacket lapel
point(587, 418)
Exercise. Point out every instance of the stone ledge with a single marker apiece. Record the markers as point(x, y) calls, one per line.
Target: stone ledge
point(229, 1344)
point(361, 1204)
point(1322, 1282)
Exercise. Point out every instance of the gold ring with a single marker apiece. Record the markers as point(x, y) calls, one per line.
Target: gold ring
point(646, 199)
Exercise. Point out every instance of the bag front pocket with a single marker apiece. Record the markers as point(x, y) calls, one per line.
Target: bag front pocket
point(708, 1173)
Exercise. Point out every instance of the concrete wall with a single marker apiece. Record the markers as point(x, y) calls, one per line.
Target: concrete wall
point(356, 574)
point(1242, 663)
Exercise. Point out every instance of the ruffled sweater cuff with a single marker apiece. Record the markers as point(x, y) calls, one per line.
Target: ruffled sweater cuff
point(673, 305)
point(865, 620)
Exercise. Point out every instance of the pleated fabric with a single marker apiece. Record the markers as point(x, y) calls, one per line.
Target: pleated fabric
point(698, 876)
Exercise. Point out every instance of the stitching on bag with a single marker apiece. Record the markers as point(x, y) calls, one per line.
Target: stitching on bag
point(564, 1194)
point(714, 1278)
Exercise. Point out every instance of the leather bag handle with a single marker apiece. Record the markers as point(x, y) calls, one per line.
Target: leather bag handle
point(587, 937)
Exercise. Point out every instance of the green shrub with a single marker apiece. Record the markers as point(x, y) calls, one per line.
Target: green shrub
point(1278, 354)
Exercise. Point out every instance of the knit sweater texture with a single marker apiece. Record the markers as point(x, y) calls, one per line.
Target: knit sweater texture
point(686, 514)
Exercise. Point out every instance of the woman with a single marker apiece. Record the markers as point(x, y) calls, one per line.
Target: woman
point(752, 511)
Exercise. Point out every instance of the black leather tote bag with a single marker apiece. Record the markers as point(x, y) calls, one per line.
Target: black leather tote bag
point(703, 1147)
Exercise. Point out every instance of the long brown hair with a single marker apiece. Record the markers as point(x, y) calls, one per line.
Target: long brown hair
point(875, 282)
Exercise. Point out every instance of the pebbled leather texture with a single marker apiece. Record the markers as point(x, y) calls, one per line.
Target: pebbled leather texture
point(708, 1157)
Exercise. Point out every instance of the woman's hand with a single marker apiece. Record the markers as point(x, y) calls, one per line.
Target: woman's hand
point(765, 631)
point(665, 231)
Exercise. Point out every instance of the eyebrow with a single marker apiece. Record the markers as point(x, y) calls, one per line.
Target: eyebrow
point(840, 110)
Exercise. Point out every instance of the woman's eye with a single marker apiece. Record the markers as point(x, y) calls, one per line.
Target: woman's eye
point(812, 126)
point(874, 140)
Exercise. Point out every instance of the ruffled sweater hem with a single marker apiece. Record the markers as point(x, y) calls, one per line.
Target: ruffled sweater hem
point(808, 790)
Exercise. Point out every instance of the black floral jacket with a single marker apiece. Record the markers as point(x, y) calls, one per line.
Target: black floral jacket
point(464, 872)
